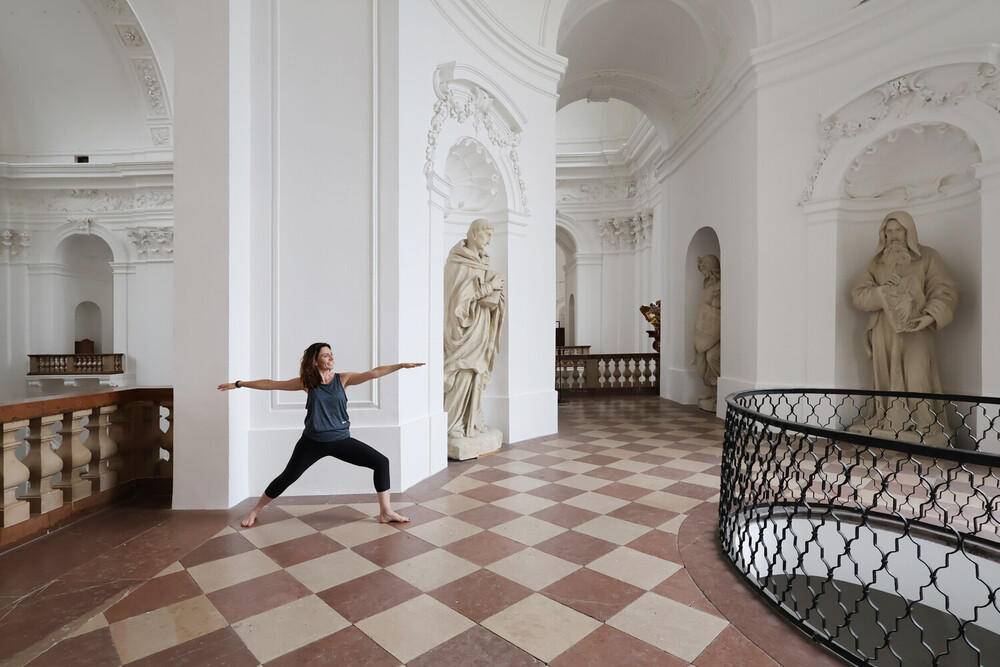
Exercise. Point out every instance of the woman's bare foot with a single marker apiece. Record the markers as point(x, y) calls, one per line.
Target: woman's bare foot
point(392, 517)
point(249, 519)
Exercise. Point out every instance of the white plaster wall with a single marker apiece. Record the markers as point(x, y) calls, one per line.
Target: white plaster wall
point(715, 186)
point(150, 314)
point(796, 86)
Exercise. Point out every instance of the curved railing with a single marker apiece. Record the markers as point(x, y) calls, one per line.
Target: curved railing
point(884, 549)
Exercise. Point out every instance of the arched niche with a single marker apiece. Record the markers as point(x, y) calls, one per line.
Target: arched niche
point(928, 170)
point(927, 142)
point(87, 324)
point(80, 272)
point(703, 242)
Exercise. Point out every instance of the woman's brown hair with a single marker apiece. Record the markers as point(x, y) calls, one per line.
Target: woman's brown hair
point(308, 372)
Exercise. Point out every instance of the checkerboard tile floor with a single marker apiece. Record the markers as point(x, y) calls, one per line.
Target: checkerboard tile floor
point(559, 550)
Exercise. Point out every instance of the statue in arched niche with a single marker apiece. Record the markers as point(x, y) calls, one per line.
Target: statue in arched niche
point(708, 330)
point(910, 294)
point(474, 306)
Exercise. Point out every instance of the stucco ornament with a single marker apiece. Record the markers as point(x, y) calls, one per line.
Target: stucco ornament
point(910, 294)
point(473, 314)
point(708, 331)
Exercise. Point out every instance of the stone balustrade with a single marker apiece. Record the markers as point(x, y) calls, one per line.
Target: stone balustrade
point(75, 364)
point(608, 372)
point(65, 456)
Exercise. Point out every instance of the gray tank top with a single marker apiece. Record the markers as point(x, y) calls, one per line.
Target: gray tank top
point(326, 412)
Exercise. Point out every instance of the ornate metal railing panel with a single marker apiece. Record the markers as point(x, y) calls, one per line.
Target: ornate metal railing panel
point(608, 372)
point(886, 551)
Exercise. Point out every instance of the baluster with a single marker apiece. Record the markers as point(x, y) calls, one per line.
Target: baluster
point(616, 380)
point(13, 474)
point(147, 450)
point(578, 379)
point(42, 464)
point(631, 368)
point(102, 474)
point(74, 456)
point(122, 433)
point(167, 442)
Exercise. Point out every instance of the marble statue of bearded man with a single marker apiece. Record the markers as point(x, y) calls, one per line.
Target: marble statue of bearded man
point(910, 294)
point(474, 306)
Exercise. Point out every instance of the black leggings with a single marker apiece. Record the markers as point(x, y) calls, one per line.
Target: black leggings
point(349, 450)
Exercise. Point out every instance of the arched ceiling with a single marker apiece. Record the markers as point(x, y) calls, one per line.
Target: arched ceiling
point(662, 56)
point(77, 77)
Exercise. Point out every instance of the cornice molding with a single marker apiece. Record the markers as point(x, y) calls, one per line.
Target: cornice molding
point(535, 67)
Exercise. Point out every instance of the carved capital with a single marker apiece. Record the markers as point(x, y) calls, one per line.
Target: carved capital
point(153, 242)
point(13, 242)
point(81, 225)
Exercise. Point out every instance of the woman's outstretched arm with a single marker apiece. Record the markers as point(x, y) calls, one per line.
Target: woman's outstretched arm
point(348, 379)
point(294, 384)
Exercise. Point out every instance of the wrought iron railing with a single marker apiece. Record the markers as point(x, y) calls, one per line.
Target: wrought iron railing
point(608, 372)
point(884, 550)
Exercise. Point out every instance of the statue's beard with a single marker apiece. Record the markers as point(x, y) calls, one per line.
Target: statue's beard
point(896, 255)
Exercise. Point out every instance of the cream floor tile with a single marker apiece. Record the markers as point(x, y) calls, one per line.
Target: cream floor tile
point(575, 467)
point(620, 453)
point(444, 531)
point(170, 569)
point(560, 442)
point(520, 483)
point(583, 482)
point(331, 570)
point(700, 478)
point(568, 454)
point(432, 569)
point(650, 482)
point(516, 454)
point(669, 452)
point(372, 509)
point(288, 627)
point(669, 625)
point(613, 530)
point(702, 441)
point(528, 530)
point(95, 623)
point(524, 503)
point(605, 442)
point(665, 500)
point(541, 626)
point(302, 510)
point(163, 628)
point(533, 568)
point(277, 532)
point(596, 502)
point(451, 504)
point(598, 434)
point(634, 567)
point(631, 466)
point(228, 530)
point(518, 467)
point(462, 484)
point(358, 532)
point(641, 434)
point(224, 572)
point(674, 525)
point(686, 464)
point(414, 627)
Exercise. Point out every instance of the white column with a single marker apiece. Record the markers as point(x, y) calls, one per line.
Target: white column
point(589, 268)
point(122, 276)
point(989, 176)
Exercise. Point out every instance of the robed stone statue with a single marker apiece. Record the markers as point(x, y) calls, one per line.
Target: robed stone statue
point(708, 330)
point(474, 306)
point(910, 294)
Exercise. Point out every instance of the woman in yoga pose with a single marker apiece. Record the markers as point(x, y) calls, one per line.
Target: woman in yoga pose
point(327, 427)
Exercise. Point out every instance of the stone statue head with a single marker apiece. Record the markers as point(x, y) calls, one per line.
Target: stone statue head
point(479, 235)
point(905, 220)
point(709, 266)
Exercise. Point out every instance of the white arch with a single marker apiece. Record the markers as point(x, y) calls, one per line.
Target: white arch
point(47, 252)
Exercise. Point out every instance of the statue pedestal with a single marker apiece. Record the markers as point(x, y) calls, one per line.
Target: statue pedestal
point(707, 403)
point(933, 438)
point(461, 448)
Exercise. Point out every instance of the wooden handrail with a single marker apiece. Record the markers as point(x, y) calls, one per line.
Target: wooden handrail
point(30, 409)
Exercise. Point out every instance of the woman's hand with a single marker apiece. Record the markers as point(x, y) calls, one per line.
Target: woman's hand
point(227, 386)
point(412, 365)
